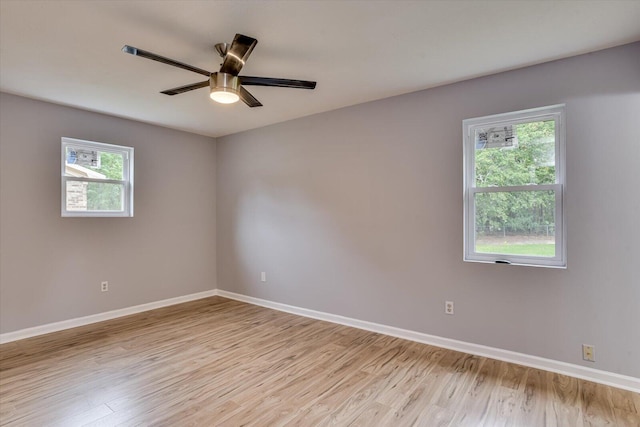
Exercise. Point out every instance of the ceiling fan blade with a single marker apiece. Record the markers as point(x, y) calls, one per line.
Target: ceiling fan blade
point(238, 53)
point(269, 81)
point(249, 99)
point(185, 88)
point(149, 55)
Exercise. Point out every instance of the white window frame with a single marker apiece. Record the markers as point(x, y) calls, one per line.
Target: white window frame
point(126, 181)
point(469, 126)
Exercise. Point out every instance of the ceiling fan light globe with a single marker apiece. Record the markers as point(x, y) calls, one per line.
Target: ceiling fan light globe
point(224, 96)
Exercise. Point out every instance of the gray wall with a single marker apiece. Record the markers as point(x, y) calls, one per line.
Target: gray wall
point(358, 212)
point(51, 267)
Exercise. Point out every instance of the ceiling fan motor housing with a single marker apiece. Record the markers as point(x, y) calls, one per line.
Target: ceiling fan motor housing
point(224, 84)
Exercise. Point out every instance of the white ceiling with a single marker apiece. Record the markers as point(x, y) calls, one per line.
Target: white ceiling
point(68, 52)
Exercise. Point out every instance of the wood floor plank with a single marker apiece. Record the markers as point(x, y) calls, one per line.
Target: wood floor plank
point(408, 412)
point(218, 362)
point(624, 418)
point(562, 406)
point(465, 368)
point(532, 408)
point(330, 396)
point(370, 415)
point(625, 401)
point(86, 417)
point(478, 396)
point(597, 406)
point(513, 375)
point(502, 408)
point(435, 416)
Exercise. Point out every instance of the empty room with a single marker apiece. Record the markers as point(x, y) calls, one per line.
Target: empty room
point(319, 212)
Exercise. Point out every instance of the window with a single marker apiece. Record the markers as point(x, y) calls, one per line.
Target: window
point(514, 188)
point(97, 179)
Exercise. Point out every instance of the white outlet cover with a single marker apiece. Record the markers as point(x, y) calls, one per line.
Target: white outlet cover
point(588, 352)
point(448, 307)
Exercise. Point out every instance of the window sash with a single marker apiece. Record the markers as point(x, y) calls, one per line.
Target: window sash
point(103, 148)
point(97, 212)
point(470, 170)
point(470, 246)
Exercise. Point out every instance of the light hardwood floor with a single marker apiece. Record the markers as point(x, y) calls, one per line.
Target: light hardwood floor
point(218, 362)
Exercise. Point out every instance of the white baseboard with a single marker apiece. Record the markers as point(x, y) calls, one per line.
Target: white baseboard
point(108, 315)
point(577, 371)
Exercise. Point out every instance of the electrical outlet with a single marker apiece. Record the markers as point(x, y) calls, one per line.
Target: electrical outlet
point(588, 352)
point(263, 276)
point(104, 286)
point(448, 307)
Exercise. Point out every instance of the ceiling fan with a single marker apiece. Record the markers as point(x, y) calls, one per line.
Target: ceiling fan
point(226, 86)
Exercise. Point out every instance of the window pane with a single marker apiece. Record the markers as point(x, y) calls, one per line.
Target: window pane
point(88, 163)
point(516, 223)
point(515, 155)
point(94, 196)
